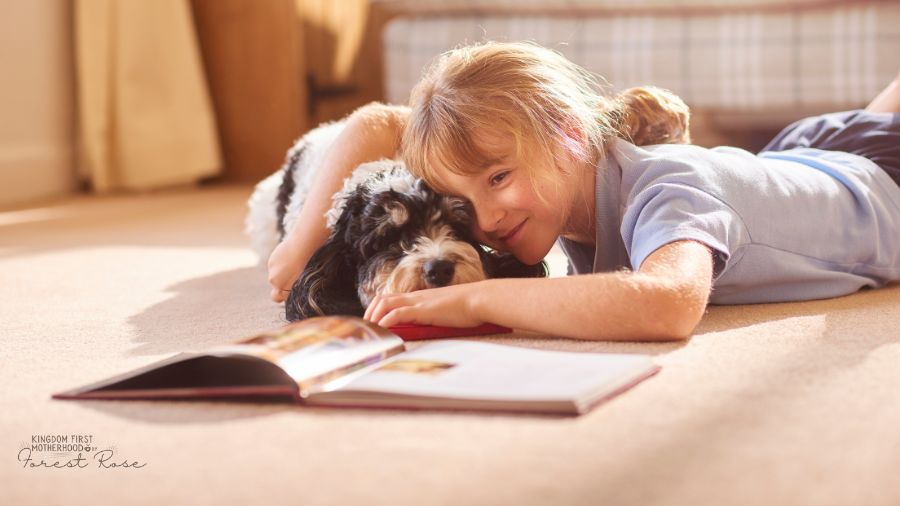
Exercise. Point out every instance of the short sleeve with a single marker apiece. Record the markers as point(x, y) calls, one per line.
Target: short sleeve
point(664, 213)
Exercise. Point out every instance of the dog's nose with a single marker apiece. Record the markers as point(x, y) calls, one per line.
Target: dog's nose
point(438, 272)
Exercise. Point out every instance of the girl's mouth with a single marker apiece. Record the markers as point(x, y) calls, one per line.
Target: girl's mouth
point(514, 235)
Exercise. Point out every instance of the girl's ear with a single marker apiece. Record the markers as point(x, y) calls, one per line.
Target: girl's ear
point(574, 141)
point(506, 265)
point(575, 133)
point(327, 286)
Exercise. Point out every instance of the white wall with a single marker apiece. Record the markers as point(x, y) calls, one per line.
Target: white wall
point(37, 100)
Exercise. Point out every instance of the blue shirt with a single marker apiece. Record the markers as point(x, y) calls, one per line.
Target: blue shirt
point(792, 225)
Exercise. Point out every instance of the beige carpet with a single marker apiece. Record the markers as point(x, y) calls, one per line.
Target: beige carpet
point(790, 404)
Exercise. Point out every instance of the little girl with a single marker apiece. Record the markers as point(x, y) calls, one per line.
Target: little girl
point(652, 233)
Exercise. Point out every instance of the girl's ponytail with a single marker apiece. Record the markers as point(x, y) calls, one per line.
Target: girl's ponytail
point(650, 115)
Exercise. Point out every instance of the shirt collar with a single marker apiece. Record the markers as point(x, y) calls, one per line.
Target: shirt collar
point(610, 253)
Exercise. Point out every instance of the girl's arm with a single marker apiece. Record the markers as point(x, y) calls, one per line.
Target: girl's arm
point(664, 300)
point(372, 132)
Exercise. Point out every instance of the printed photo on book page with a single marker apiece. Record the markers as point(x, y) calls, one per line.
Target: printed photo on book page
point(317, 351)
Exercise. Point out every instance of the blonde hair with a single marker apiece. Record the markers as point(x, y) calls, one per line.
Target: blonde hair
point(536, 95)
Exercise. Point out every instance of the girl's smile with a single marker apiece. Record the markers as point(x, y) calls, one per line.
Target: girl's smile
point(510, 239)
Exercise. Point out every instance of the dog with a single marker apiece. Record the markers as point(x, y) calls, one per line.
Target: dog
point(390, 233)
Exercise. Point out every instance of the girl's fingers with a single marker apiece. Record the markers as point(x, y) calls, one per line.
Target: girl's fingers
point(370, 309)
point(383, 305)
point(377, 309)
point(399, 315)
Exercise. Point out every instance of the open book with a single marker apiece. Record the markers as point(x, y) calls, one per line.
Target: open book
point(347, 361)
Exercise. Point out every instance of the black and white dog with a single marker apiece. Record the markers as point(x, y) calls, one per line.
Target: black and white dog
point(390, 233)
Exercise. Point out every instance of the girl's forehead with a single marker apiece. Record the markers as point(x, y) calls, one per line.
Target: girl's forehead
point(459, 168)
point(457, 185)
point(494, 143)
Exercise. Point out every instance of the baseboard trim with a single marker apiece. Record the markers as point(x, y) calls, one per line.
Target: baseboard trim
point(35, 173)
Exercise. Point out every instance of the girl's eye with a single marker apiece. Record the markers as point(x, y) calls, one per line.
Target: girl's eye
point(498, 177)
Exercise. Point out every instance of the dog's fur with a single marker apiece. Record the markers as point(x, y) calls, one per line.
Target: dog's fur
point(390, 234)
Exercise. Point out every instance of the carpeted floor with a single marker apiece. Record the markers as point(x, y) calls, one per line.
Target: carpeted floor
point(773, 405)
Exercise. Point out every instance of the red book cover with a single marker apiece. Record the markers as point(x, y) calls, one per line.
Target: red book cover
point(416, 332)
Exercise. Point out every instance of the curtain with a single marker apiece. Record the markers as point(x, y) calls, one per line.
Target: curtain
point(145, 117)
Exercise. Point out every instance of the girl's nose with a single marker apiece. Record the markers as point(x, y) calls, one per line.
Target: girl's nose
point(488, 217)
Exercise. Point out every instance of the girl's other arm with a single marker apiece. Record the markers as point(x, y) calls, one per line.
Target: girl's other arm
point(372, 132)
point(889, 98)
point(664, 300)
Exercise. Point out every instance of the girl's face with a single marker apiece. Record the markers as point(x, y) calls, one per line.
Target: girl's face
point(510, 215)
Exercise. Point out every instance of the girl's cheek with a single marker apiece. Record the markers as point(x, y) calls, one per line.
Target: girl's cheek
point(482, 238)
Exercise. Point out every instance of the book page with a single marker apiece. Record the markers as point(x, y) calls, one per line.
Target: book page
point(472, 370)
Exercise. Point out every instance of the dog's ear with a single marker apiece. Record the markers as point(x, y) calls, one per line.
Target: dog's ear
point(327, 286)
point(506, 265)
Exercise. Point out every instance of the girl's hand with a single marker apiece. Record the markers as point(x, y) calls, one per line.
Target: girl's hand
point(449, 306)
point(283, 270)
